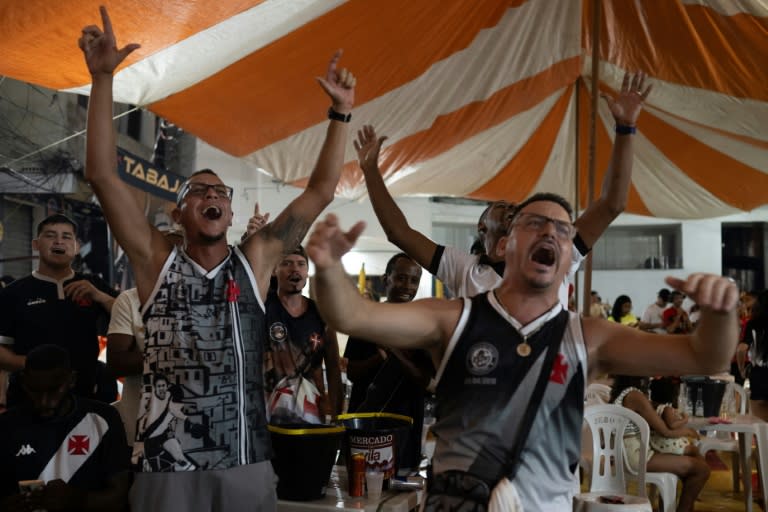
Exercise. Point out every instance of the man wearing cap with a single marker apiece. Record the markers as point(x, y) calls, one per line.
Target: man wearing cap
point(652, 316)
point(298, 344)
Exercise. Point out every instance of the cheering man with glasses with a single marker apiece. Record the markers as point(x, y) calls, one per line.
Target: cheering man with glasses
point(512, 362)
point(203, 304)
point(465, 275)
point(535, 223)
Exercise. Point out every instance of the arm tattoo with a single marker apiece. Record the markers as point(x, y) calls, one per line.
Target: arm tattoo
point(291, 230)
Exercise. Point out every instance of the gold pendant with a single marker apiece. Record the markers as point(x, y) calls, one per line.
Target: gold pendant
point(523, 349)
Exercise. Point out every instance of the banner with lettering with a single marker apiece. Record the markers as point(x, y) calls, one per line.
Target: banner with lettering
point(144, 175)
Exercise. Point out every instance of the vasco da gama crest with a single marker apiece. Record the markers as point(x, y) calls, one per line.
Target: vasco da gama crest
point(278, 332)
point(482, 358)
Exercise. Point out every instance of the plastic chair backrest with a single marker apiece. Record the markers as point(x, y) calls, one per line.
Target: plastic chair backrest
point(598, 394)
point(607, 423)
point(738, 390)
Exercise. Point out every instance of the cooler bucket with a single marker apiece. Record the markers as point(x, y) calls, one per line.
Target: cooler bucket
point(304, 457)
point(712, 391)
point(379, 435)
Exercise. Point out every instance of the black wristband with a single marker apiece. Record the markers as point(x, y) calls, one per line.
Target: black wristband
point(338, 116)
point(625, 129)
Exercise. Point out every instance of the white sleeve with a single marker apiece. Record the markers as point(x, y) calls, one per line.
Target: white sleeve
point(453, 268)
point(576, 259)
point(121, 318)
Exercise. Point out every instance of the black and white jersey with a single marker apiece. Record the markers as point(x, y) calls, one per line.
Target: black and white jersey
point(85, 448)
point(481, 400)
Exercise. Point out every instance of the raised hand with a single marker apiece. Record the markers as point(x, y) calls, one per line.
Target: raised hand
point(257, 221)
point(709, 291)
point(368, 148)
point(340, 86)
point(328, 243)
point(100, 47)
point(626, 107)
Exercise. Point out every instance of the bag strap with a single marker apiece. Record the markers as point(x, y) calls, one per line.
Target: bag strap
point(553, 348)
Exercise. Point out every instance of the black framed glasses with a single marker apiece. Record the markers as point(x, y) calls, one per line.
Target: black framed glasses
point(534, 222)
point(199, 189)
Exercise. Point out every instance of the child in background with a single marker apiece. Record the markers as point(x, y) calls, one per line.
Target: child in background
point(684, 459)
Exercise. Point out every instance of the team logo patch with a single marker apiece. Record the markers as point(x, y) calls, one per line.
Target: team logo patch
point(278, 332)
point(482, 358)
point(78, 445)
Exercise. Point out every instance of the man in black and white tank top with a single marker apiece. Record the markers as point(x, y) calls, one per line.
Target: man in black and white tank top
point(489, 352)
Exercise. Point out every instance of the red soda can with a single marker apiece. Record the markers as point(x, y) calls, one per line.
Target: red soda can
point(357, 477)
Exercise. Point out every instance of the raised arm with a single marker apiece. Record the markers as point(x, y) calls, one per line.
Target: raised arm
point(390, 216)
point(617, 349)
point(423, 323)
point(127, 221)
point(290, 227)
point(626, 109)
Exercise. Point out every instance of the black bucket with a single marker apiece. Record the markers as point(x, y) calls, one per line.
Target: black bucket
point(381, 436)
point(304, 457)
point(712, 391)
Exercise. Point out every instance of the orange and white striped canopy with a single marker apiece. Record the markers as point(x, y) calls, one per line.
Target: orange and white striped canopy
point(479, 98)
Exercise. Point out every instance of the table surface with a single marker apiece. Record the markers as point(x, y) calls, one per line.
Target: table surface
point(337, 499)
point(738, 423)
point(746, 426)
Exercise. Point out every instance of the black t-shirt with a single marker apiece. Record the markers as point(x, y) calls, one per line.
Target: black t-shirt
point(360, 350)
point(297, 345)
point(88, 446)
point(35, 311)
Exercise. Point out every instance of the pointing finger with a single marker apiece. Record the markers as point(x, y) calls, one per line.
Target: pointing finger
point(105, 21)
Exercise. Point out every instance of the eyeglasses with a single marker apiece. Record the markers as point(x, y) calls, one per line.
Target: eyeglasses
point(534, 222)
point(201, 189)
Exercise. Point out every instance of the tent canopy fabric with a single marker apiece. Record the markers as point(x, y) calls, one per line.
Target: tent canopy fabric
point(486, 99)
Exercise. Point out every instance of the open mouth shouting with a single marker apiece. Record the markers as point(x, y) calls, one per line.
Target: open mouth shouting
point(58, 251)
point(545, 254)
point(212, 212)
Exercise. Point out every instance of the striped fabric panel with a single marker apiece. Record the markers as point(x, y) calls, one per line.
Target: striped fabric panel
point(478, 98)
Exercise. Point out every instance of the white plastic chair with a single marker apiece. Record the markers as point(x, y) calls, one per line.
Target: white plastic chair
point(724, 441)
point(596, 394)
point(607, 423)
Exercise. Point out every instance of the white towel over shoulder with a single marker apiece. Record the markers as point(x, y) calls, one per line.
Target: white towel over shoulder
point(505, 498)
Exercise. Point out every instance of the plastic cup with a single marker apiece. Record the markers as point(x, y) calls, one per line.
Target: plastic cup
point(374, 481)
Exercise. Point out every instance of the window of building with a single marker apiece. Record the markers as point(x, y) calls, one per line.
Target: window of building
point(639, 247)
point(460, 236)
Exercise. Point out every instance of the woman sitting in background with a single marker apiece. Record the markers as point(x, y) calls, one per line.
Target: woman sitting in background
point(672, 450)
point(622, 312)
